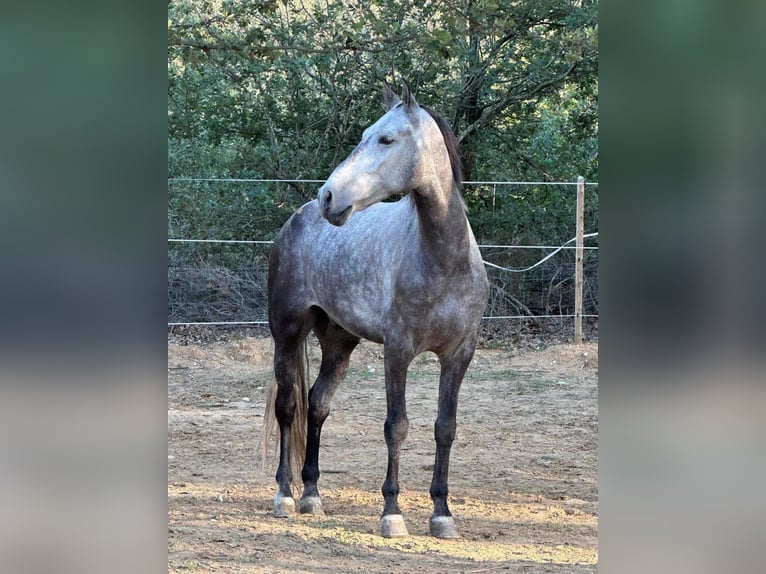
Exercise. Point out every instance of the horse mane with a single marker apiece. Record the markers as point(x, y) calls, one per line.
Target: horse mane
point(453, 150)
point(453, 146)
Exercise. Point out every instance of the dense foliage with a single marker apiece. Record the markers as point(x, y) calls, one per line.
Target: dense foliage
point(267, 89)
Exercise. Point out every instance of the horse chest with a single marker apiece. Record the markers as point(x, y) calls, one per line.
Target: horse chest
point(441, 305)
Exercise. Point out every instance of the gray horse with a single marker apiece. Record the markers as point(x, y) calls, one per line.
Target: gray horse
point(406, 274)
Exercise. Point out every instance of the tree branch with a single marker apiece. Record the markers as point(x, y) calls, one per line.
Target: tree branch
point(366, 46)
point(510, 96)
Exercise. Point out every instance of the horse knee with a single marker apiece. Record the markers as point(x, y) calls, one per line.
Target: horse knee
point(318, 412)
point(444, 431)
point(395, 430)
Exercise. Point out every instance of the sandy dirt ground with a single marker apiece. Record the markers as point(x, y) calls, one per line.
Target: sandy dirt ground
point(523, 475)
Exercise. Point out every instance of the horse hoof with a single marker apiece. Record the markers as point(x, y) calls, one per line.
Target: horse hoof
point(392, 525)
point(312, 505)
point(443, 527)
point(284, 506)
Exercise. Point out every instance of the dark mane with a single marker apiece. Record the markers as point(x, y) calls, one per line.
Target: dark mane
point(453, 146)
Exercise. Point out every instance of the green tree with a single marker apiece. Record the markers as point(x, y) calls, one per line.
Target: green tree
point(298, 81)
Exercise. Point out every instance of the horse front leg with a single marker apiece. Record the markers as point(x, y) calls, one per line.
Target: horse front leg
point(453, 368)
point(395, 431)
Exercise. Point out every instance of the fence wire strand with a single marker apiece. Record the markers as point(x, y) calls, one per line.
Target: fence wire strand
point(556, 249)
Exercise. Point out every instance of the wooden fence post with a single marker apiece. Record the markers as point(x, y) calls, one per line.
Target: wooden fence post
point(578, 260)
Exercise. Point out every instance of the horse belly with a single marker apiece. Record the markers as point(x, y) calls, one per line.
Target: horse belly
point(357, 318)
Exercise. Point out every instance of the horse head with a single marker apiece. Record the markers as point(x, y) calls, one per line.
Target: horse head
point(392, 158)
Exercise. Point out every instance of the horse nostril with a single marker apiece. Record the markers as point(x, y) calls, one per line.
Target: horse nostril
point(327, 198)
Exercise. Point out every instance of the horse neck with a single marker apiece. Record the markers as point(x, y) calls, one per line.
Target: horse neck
point(442, 223)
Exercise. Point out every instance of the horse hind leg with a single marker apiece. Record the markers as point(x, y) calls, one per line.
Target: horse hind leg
point(290, 405)
point(337, 345)
point(453, 368)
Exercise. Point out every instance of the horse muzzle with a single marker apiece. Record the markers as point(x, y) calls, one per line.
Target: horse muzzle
point(337, 215)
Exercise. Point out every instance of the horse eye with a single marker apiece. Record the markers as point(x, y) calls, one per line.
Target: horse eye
point(385, 140)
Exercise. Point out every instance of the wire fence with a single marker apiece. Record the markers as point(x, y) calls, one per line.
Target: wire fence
point(221, 282)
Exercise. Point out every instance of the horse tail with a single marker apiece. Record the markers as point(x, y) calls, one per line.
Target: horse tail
point(299, 426)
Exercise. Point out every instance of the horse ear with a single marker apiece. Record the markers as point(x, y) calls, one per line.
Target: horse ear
point(407, 97)
point(390, 99)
